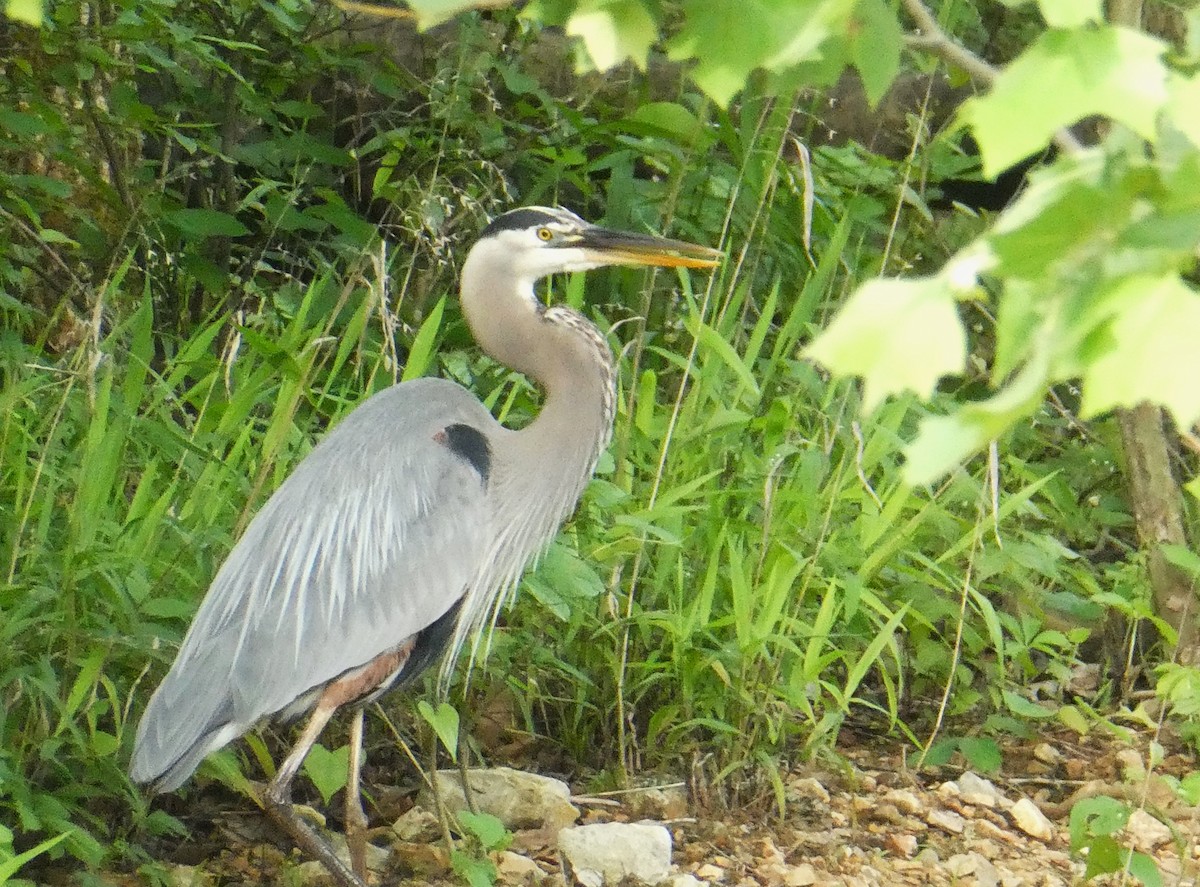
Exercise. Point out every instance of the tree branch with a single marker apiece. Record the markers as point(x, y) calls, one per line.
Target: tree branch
point(934, 40)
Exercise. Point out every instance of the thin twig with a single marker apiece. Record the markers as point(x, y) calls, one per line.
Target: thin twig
point(932, 39)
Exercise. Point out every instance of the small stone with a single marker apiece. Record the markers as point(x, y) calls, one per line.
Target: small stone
point(979, 791)
point(1047, 754)
point(811, 788)
point(947, 821)
point(710, 872)
point(608, 852)
point(685, 881)
point(666, 803)
point(949, 789)
point(802, 875)
point(903, 845)
point(513, 868)
point(1146, 832)
point(418, 824)
point(377, 857)
point(962, 864)
point(904, 801)
point(1075, 768)
point(1133, 768)
point(928, 857)
point(519, 800)
point(1028, 818)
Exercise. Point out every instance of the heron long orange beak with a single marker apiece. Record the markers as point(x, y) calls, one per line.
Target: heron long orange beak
point(622, 248)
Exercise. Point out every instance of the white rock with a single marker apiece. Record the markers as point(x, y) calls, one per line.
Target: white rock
point(608, 852)
point(962, 864)
point(1146, 832)
point(947, 821)
point(519, 800)
point(980, 792)
point(1028, 818)
point(904, 801)
point(513, 868)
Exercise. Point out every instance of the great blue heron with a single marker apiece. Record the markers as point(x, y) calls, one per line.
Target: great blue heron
point(399, 535)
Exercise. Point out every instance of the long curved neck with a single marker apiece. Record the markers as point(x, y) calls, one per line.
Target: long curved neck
point(558, 348)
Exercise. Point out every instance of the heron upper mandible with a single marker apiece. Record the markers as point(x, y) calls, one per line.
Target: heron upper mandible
point(395, 539)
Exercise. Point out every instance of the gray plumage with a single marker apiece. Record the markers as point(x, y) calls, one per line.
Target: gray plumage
point(418, 509)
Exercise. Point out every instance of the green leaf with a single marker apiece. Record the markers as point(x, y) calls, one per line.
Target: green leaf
point(476, 872)
point(1104, 857)
point(444, 721)
point(1145, 869)
point(880, 329)
point(944, 441)
point(327, 769)
point(202, 223)
point(420, 355)
point(29, 12)
point(1184, 99)
point(489, 830)
point(1152, 354)
point(1071, 13)
point(1026, 708)
point(981, 753)
point(875, 43)
point(1108, 71)
point(9, 867)
point(673, 119)
point(434, 12)
point(613, 31)
point(1096, 817)
point(727, 42)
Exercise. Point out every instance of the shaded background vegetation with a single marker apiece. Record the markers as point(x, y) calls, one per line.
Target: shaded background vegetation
point(224, 225)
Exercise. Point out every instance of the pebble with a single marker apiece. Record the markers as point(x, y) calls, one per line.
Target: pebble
point(904, 801)
point(947, 821)
point(513, 868)
point(609, 852)
point(980, 792)
point(903, 845)
point(1146, 832)
point(1047, 753)
point(1028, 818)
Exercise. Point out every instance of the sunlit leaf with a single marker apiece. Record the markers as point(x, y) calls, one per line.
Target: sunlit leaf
point(328, 770)
point(1182, 104)
point(875, 43)
point(881, 327)
point(613, 31)
point(1152, 354)
point(444, 721)
point(27, 11)
point(1109, 71)
point(1071, 13)
point(728, 41)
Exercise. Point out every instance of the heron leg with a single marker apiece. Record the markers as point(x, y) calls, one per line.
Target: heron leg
point(356, 819)
point(277, 800)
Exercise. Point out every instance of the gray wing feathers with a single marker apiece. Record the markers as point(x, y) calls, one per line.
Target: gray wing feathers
point(373, 537)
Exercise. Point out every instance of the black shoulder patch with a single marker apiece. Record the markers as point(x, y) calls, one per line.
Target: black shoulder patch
point(429, 644)
point(518, 220)
point(469, 443)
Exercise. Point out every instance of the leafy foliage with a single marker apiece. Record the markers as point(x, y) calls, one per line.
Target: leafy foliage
point(227, 228)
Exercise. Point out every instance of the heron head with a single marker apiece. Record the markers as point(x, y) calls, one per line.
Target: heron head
point(542, 240)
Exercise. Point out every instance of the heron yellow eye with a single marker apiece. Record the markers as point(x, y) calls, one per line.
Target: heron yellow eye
point(545, 235)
